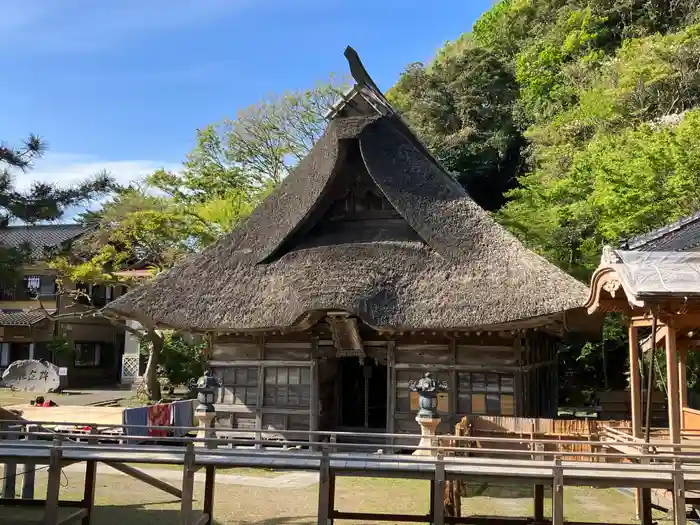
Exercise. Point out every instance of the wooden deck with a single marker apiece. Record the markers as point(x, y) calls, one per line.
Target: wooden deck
point(669, 473)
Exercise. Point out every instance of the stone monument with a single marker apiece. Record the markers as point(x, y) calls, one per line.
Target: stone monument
point(428, 417)
point(30, 375)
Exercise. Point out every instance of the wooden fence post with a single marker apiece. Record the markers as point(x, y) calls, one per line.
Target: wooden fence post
point(439, 491)
point(187, 485)
point(324, 488)
point(53, 485)
point(558, 493)
point(28, 480)
point(10, 475)
point(678, 493)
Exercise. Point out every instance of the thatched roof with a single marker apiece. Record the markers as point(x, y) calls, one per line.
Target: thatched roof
point(435, 261)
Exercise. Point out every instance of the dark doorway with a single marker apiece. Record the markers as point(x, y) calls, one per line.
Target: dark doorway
point(354, 371)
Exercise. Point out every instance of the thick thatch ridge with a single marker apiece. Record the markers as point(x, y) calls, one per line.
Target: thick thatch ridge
point(466, 271)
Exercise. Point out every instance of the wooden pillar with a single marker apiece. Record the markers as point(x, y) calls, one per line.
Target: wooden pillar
point(674, 409)
point(53, 486)
point(558, 493)
point(315, 394)
point(187, 486)
point(28, 481)
point(682, 381)
point(89, 491)
point(635, 382)
point(678, 494)
point(438, 510)
point(209, 483)
point(636, 403)
point(391, 392)
point(324, 489)
point(539, 504)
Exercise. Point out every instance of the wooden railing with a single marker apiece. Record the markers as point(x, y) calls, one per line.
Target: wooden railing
point(542, 461)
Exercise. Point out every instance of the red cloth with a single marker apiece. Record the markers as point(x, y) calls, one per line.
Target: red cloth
point(159, 416)
point(46, 404)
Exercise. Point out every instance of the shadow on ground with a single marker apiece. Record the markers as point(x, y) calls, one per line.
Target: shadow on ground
point(140, 515)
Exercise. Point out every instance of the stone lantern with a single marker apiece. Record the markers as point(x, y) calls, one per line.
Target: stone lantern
point(205, 412)
point(428, 417)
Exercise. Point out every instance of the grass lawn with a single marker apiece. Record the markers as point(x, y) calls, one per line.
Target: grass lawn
point(267, 473)
point(121, 500)
point(10, 397)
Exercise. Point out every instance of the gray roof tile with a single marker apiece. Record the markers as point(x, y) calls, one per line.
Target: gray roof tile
point(40, 237)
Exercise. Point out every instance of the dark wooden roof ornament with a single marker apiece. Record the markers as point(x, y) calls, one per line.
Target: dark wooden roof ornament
point(346, 337)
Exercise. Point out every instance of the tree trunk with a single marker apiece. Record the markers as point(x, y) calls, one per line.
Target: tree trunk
point(152, 383)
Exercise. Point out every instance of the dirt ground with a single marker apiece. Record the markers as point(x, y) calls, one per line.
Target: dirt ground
point(123, 500)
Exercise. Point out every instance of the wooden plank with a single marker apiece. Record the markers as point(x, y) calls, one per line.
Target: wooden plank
point(235, 351)
point(259, 404)
point(314, 406)
point(9, 481)
point(89, 491)
point(53, 485)
point(635, 382)
point(145, 478)
point(678, 495)
point(252, 363)
point(674, 409)
point(209, 484)
point(29, 477)
point(682, 380)
point(331, 494)
point(187, 486)
point(438, 494)
point(391, 389)
point(646, 516)
point(558, 494)
point(539, 503)
point(324, 490)
point(453, 389)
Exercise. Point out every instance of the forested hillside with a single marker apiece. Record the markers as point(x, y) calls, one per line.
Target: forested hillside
point(575, 121)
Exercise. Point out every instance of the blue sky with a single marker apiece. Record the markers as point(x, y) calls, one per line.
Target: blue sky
point(124, 84)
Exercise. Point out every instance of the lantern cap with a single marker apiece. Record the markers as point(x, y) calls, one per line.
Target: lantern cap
point(208, 381)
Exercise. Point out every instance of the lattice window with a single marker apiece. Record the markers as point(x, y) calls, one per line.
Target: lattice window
point(130, 366)
point(287, 387)
point(240, 385)
point(480, 393)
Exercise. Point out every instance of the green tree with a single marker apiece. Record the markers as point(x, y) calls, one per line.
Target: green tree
point(462, 107)
point(181, 360)
point(252, 153)
point(133, 230)
point(44, 201)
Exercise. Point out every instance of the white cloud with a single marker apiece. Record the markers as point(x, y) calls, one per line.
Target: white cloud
point(63, 169)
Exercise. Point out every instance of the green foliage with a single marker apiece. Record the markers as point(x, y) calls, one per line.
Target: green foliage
point(59, 347)
point(180, 360)
point(44, 201)
point(462, 107)
point(621, 161)
point(582, 119)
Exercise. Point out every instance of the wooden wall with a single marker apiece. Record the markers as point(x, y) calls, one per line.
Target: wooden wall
point(282, 383)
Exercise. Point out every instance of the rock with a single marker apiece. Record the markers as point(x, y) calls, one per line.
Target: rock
point(32, 376)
